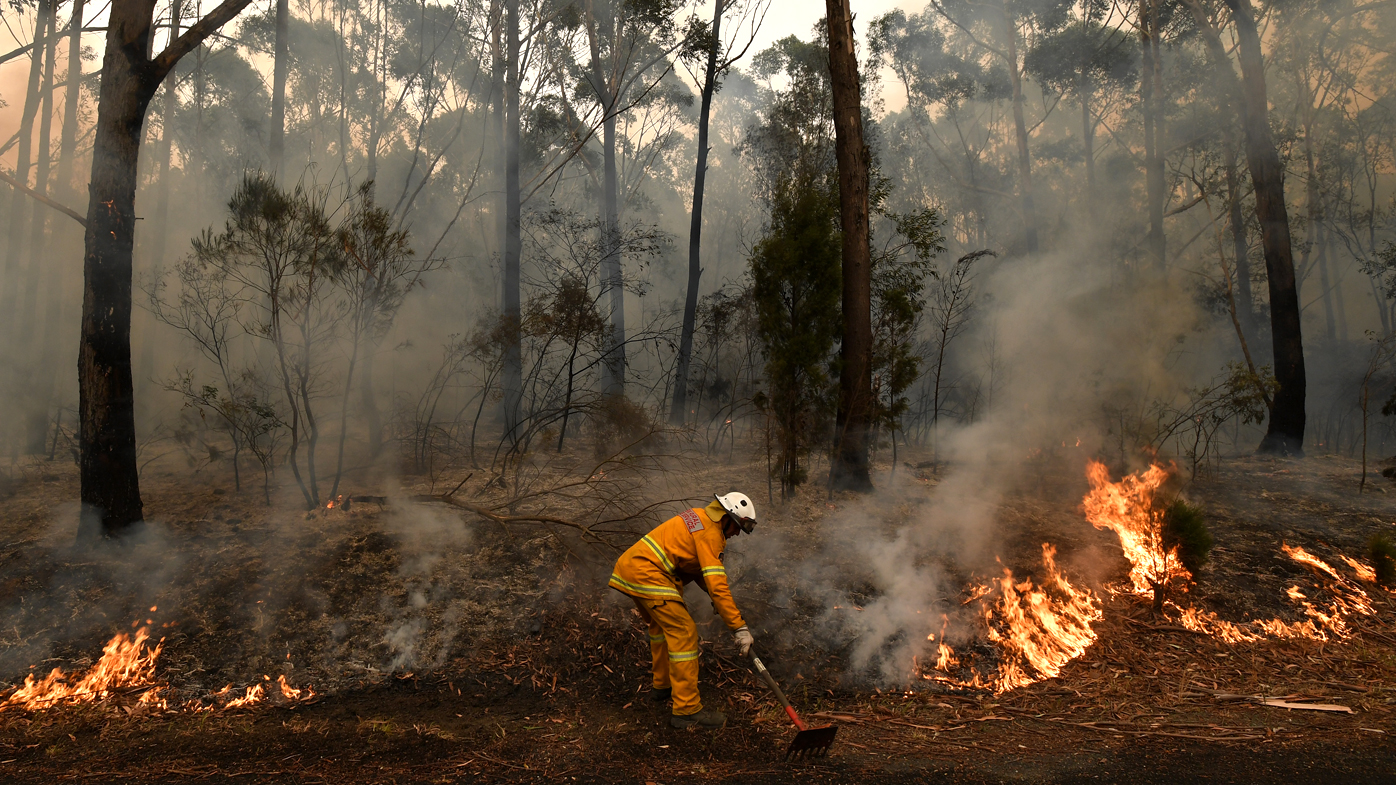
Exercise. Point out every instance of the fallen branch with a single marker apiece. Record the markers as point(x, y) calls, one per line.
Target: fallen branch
point(41, 199)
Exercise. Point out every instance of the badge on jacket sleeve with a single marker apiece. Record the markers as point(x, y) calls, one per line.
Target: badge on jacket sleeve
point(692, 521)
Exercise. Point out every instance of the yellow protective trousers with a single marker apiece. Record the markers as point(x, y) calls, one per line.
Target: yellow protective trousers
point(673, 650)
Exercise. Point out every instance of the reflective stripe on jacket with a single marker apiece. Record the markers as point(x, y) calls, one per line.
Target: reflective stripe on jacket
point(686, 547)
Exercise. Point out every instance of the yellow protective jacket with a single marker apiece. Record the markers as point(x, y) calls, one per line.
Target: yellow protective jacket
point(686, 547)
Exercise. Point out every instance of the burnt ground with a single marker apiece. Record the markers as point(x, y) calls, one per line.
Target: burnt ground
point(448, 649)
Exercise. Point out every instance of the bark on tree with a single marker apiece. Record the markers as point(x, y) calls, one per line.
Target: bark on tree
point(276, 144)
point(110, 487)
point(19, 205)
point(695, 227)
point(1285, 434)
point(513, 232)
point(848, 468)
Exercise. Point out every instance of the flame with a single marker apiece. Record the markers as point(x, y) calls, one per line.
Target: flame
point(252, 697)
point(291, 693)
point(1038, 629)
point(1322, 623)
point(1130, 509)
point(1364, 573)
point(127, 664)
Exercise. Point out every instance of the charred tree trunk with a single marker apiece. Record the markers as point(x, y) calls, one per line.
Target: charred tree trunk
point(849, 467)
point(110, 487)
point(1285, 434)
point(513, 232)
point(276, 144)
point(695, 227)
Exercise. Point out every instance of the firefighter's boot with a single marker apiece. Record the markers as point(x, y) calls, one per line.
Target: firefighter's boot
point(704, 719)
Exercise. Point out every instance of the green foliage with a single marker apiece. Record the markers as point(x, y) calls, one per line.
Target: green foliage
point(1185, 529)
point(797, 286)
point(1382, 551)
point(899, 274)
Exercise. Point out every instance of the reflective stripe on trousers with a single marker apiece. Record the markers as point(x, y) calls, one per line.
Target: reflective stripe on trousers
point(673, 651)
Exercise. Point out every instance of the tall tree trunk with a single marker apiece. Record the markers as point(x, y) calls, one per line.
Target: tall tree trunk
point(38, 219)
point(1285, 434)
point(72, 94)
point(606, 84)
point(1088, 145)
point(695, 227)
point(1020, 128)
point(611, 261)
point(849, 467)
point(36, 399)
point(1313, 205)
point(110, 487)
point(1150, 95)
point(513, 232)
point(160, 231)
point(1240, 246)
point(276, 145)
point(57, 271)
point(19, 203)
point(167, 122)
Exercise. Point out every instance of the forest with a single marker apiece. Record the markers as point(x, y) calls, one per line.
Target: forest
point(1053, 340)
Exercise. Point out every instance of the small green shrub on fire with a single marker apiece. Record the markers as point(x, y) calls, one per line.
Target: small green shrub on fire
point(1185, 528)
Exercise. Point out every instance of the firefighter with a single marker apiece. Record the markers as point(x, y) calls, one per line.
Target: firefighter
point(653, 572)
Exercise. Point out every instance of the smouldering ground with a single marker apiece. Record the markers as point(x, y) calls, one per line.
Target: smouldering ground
point(448, 649)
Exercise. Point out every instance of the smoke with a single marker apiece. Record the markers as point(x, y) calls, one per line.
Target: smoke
point(424, 624)
point(892, 566)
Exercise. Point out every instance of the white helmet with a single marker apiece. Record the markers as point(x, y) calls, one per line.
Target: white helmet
point(740, 508)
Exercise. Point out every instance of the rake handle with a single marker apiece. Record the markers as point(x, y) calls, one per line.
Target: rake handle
point(771, 682)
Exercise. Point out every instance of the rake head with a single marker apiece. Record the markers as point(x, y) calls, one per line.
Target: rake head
point(811, 743)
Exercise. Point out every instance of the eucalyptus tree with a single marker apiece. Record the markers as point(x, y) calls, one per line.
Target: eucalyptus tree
point(1285, 432)
point(1084, 59)
point(110, 487)
point(719, 54)
point(1002, 32)
point(631, 44)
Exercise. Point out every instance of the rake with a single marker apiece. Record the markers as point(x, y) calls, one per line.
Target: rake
point(809, 742)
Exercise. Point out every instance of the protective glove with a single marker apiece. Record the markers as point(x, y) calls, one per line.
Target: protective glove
point(744, 640)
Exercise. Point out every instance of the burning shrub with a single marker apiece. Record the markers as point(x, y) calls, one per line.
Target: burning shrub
point(1383, 555)
point(1185, 532)
point(1133, 509)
